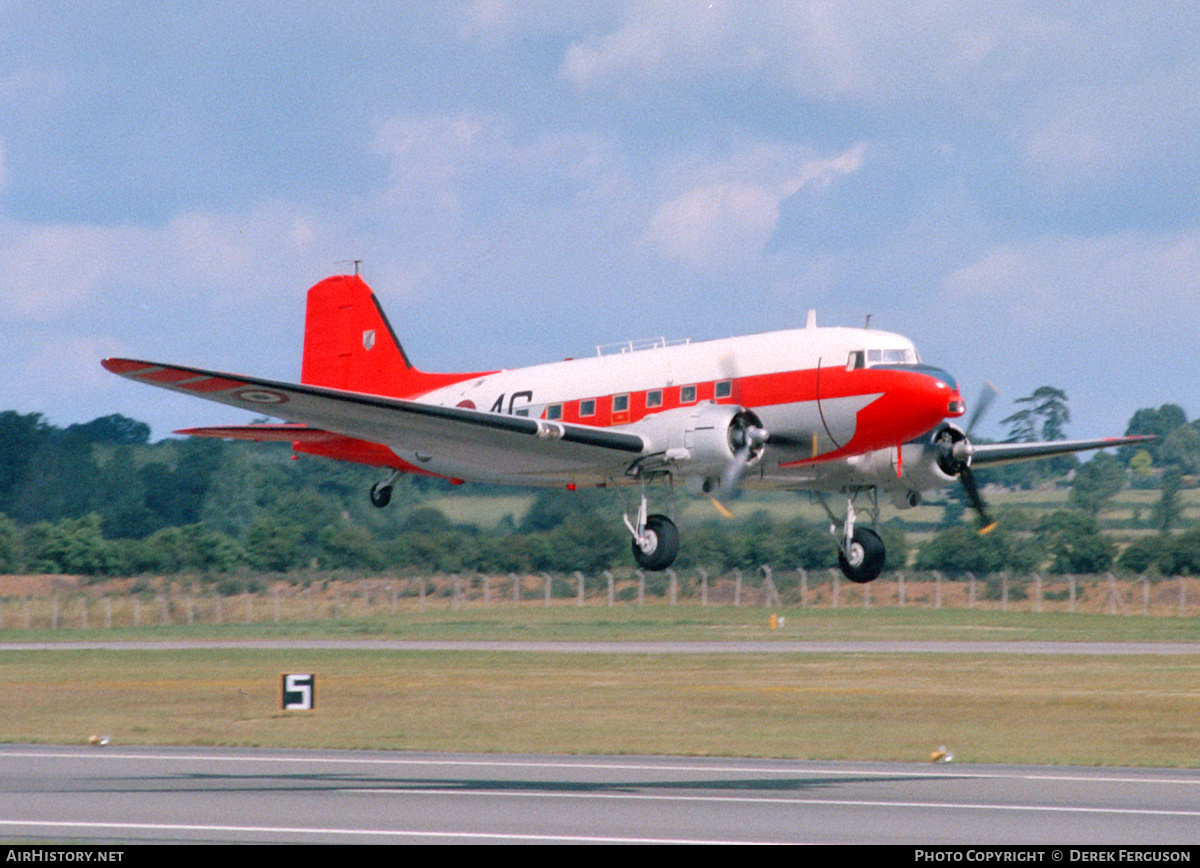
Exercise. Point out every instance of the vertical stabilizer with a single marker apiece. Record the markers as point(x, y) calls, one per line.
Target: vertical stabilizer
point(349, 344)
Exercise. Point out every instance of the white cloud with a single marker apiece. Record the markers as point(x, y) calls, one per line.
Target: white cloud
point(728, 210)
point(51, 271)
point(1093, 284)
point(868, 52)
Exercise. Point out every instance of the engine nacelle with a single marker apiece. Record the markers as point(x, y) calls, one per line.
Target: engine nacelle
point(912, 468)
point(701, 443)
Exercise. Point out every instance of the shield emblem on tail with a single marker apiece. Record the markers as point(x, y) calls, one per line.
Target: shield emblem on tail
point(368, 339)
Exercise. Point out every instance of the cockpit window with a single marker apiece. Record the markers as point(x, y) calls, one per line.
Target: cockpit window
point(906, 356)
point(855, 361)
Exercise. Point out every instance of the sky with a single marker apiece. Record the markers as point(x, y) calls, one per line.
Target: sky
point(1013, 185)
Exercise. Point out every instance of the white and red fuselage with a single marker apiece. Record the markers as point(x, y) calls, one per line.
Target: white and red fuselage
point(839, 403)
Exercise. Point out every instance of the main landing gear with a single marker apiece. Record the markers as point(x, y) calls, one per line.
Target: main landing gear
point(861, 553)
point(655, 539)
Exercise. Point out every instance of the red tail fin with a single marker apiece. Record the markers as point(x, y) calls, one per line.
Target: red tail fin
point(349, 344)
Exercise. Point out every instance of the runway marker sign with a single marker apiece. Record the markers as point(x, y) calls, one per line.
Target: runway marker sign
point(299, 692)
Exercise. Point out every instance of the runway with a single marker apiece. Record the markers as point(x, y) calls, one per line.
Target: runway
point(128, 795)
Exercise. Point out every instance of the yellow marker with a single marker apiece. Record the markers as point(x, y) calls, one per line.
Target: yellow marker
point(721, 508)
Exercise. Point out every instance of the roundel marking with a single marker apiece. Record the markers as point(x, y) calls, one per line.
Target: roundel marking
point(465, 405)
point(261, 396)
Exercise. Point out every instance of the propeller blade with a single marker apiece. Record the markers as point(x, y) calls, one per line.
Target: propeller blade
point(986, 395)
point(967, 478)
point(750, 440)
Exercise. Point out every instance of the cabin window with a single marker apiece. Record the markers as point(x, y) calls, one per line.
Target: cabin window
point(588, 407)
point(620, 404)
point(554, 411)
point(723, 389)
point(654, 399)
point(687, 394)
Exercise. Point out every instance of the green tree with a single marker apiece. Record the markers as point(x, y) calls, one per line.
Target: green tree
point(1168, 508)
point(1097, 482)
point(1074, 544)
point(1158, 423)
point(1045, 411)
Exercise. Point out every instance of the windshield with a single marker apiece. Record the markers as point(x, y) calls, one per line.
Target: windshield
point(906, 356)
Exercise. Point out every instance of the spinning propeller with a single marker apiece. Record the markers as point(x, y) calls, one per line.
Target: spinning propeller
point(954, 450)
point(747, 437)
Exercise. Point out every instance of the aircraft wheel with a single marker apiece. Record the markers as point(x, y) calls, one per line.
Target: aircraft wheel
point(381, 495)
point(660, 546)
point(863, 562)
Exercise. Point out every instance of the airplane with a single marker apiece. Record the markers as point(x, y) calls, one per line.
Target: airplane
point(835, 411)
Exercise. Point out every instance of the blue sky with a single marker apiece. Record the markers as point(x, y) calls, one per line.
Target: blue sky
point(1013, 185)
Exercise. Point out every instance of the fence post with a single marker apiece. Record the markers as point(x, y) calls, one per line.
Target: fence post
point(546, 587)
point(516, 587)
point(487, 590)
point(737, 588)
point(673, 587)
point(937, 590)
point(1037, 592)
point(803, 588)
point(1113, 604)
point(641, 577)
point(579, 580)
point(703, 587)
point(1145, 596)
point(900, 588)
point(1071, 583)
point(771, 597)
point(1182, 596)
point(837, 586)
point(612, 596)
point(970, 590)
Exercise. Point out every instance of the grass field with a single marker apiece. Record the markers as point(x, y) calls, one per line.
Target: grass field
point(1074, 709)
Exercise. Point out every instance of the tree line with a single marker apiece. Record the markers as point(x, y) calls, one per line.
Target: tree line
point(99, 499)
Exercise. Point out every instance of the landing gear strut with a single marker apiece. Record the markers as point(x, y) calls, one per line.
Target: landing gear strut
point(655, 539)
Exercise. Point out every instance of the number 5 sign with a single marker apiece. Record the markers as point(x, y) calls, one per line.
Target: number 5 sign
point(299, 692)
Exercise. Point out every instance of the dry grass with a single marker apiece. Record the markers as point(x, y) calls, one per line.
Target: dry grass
point(998, 708)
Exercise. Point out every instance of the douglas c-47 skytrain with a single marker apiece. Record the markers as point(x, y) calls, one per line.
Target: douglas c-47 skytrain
point(836, 411)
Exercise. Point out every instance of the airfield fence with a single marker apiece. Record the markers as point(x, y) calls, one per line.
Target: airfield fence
point(63, 605)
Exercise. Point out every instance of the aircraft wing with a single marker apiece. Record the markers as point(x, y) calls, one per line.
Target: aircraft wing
point(989, 454)
point(453, 441)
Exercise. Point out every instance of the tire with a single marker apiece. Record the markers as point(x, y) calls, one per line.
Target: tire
point(662, 542)
point(864, 562)
point(381, 495)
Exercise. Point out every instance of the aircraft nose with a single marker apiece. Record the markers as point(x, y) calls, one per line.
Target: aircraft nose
point(939, 391)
